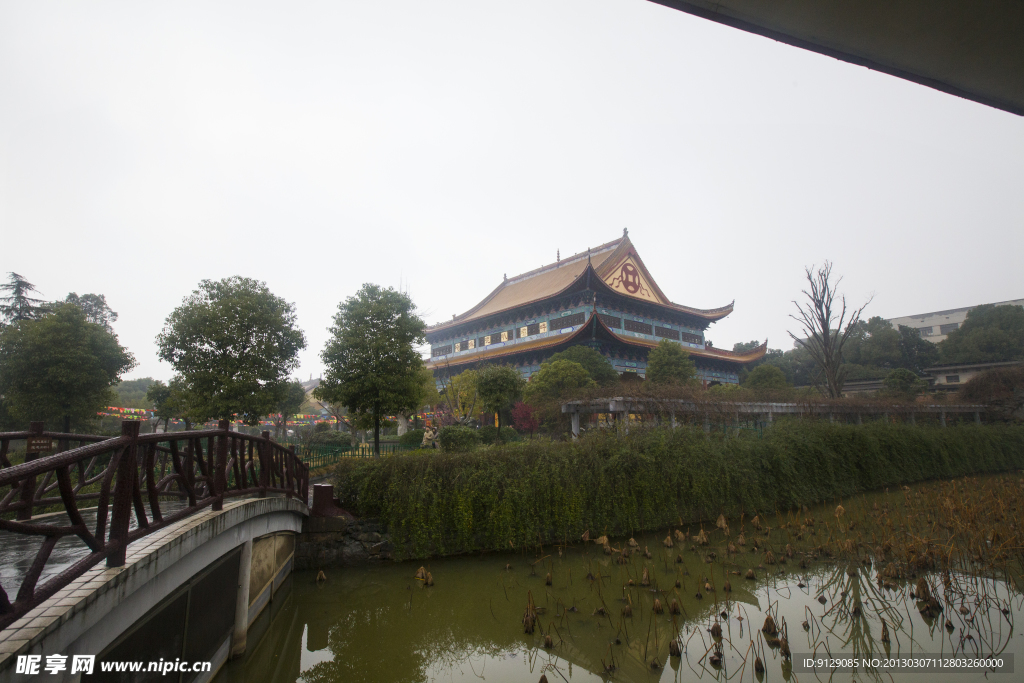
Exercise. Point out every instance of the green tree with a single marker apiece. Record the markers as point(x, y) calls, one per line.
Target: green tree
point(60, 368)
point(158, 396)
point(797, 365)
point(990, 333)
point(95, 308)
point(131, 393)
point(770, 356)
point(427, 396)
point(904, 384)
point(232, 342)
point(597, 366)
point(766, 377)
point(917, 353)
point(18, 305)
point(554, 380)
point(669, 363)
point(187, 404)
point(459, 395)
point(289, 399)
point(499, 386)
point(372, 365)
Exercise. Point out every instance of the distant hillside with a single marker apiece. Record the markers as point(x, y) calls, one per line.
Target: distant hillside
point(132, 393)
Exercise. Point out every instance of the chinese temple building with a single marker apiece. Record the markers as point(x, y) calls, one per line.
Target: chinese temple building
point(603, 298)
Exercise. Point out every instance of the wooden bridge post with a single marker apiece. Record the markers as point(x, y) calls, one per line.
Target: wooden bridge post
point(123, 494)
point(220, 476)
point(28, 485)
point(265, 460)
point(289, 470)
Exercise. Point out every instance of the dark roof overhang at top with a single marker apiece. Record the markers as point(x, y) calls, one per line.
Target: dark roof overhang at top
point(966, 48)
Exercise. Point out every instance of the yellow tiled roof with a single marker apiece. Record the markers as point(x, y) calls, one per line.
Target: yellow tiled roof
point(553, 278)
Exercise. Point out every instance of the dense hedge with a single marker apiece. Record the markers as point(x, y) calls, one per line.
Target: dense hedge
point(489, 434)
point(413, 437)
point(458, 439)
point(541, 492)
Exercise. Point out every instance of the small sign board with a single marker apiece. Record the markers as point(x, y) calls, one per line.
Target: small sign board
point(37, 444)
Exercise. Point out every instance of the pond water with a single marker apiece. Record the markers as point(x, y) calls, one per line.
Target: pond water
point(383, 624)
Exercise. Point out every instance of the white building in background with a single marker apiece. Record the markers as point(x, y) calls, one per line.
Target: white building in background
point(936, 326)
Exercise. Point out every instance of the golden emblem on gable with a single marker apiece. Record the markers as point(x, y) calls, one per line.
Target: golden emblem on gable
point(629, 280)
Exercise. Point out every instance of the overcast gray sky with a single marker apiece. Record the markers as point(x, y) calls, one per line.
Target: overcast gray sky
point(318, 146)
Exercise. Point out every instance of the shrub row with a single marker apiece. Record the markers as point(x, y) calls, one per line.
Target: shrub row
point(533, 492)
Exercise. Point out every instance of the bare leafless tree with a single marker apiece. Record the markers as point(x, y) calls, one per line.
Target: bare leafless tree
point(824, 334)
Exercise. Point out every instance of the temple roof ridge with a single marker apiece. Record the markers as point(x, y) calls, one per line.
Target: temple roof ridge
point(549, 280)
point(593, 251)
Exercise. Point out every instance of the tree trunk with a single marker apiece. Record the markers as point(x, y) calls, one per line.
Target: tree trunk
point(403, 424)
point(376, 434)
point(498, 415)
point(67, 424)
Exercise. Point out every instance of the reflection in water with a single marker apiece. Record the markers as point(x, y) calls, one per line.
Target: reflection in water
point(381, 624)
point(18, 551)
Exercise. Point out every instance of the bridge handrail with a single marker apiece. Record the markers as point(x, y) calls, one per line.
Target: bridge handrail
point(153, 466)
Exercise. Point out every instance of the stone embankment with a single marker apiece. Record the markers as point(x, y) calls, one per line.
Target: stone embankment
point(331, 537)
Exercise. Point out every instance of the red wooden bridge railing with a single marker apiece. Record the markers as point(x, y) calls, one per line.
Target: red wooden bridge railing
point(114, 476)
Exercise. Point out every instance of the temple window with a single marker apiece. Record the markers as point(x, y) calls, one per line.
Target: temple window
point(504, 336)
point(542, 327)
point(567, 321)
point(524, 332)
point(634, 326)
point(487, 340)
point(458, 347)
point(471, 344)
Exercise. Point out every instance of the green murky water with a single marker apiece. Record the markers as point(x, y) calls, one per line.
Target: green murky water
point(381, 624)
